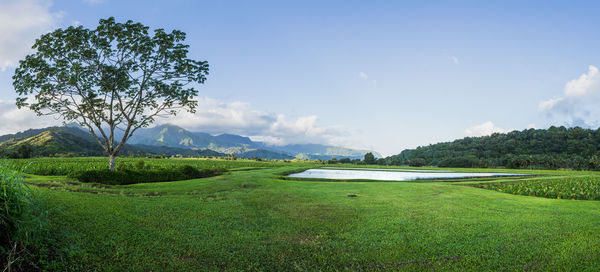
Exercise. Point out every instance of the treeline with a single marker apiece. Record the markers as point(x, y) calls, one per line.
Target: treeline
point(553, 148)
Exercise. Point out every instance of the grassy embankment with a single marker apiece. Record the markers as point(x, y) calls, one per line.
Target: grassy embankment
point(251, 219)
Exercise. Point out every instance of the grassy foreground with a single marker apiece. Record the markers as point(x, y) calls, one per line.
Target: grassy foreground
point(252, 220)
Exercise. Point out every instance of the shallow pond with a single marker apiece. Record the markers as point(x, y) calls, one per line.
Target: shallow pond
point(397, 175)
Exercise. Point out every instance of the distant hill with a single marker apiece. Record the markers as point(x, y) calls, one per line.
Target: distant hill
point(51, 141)
point(166, 140)
point(174, 136)
point(74, 141)
point(556, 147)
point(326, 151)
point(265, 154)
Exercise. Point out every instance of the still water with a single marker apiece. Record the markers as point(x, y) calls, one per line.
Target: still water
point(398, 175)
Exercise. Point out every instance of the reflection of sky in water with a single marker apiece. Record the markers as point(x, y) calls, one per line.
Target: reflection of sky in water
point(388, 169)
point(388, 175)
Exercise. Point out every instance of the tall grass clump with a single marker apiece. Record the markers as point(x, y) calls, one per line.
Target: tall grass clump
point(14, 200)
point(24, 235)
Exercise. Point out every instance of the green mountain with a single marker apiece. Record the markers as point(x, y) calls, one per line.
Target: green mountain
point(51, 141)
point(174, 136)
point(325, 151)
point(556, 147)
point(59, 141)
point(166, 140)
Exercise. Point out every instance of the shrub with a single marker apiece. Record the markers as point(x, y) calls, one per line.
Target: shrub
point(189, 171)
point(139, 165)
point(127, 176)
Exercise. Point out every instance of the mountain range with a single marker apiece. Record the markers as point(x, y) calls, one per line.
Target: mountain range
point(167, 140)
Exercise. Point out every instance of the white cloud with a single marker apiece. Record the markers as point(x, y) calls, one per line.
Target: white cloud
point(21, 22)
point(585, 84)
point(215, 117)
point(13, 120)
point(363, 75)
point(550, 103)
point(530, 126)
point(580, 102)
point(455, 60)
point(484, 129)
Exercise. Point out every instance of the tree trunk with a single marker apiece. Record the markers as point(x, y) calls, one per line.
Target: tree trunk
point(112, 162)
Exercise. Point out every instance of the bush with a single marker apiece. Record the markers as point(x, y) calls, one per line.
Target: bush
point(140, 164)
point(128, 176)
point(189, 171)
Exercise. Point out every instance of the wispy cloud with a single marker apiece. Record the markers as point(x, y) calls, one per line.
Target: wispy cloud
point(455, 59)
point(483, 129)
point(94, 2)
point(13, 120)
point(21, 22)
point(365, 77)
point(215, 117)
point(580, 102)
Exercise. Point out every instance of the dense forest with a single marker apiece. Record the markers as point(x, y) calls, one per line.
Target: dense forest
point(553, 148)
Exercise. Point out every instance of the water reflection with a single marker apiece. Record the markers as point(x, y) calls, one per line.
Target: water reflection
point(347, 174)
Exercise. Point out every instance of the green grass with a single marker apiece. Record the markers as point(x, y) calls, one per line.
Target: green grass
point(252, 220)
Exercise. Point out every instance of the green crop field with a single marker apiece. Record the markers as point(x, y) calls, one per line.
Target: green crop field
point(251, 219)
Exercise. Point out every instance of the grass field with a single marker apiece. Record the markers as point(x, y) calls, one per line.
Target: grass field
point(250, 219)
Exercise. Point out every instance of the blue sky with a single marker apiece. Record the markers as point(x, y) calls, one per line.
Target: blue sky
point(385, 75)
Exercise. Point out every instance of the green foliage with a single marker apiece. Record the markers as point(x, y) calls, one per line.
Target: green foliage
point(26, 243)
point(189, 171)
point(139, 164)
point(14, 200)
point(117, 77)
point(72, 166)
point(369, 158)
point(586, 188)
point(460, 162)
point(25, 151)
point(417, 162)
point(553, 148)
point(126, 176)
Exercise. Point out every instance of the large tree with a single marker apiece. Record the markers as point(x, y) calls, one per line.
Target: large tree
point(369, 158)
point(112, 80)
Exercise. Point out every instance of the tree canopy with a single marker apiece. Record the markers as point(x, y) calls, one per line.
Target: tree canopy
point(369, 158)
point(556, 147)
point(113, 79)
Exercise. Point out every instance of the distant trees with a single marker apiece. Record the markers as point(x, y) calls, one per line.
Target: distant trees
point(416, 162)
point(345, 160)
point(553, 148)
point(24, 151)
point(369, 158)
